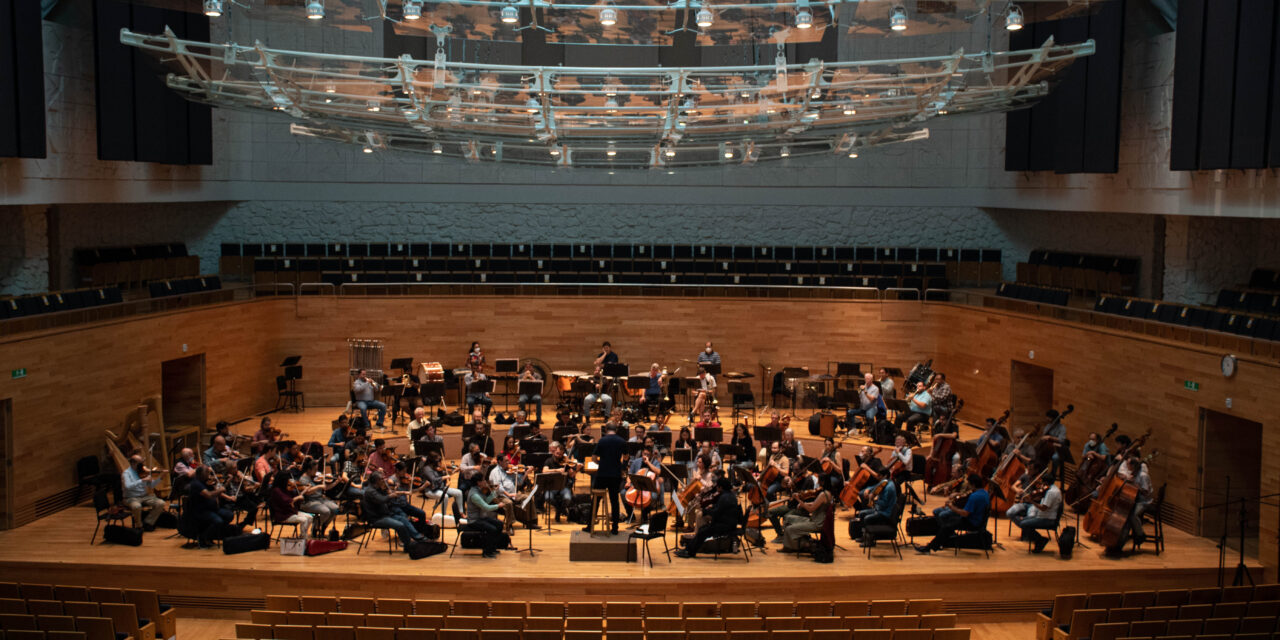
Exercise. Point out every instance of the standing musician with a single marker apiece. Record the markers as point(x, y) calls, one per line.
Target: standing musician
point(919, 409)
point(138, 489)
point(705, 392)
point(708, 355)
point(475, 356)
point(951, 517)
point(366, 395)
point(1042, 503)
point(608, 456)
point(806, 517)
point(558, 462)
point(724, 516)
point(1134, 470)
point(530, 375)
point(477, 399)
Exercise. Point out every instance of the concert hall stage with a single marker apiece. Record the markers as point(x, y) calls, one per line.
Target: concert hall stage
point(1012, 581)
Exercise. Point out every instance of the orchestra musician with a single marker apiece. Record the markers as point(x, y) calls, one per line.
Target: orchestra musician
point(558, 462)
point(535, 435)
point(869, 403)
point(437, 484)
point(866, 459)
point(807, 517)
point(530, 375)
point(282, 503)
point(475, 356)
point(919, 409)
point(973, 515)
point(510, 450)
point(366, 395)
point(266, 464)
point(708, 419)
point(1041, 513)
point(266, 434)
point(708, 355)
point(1134, 470)
point(777, 458)
point(480, 433)
point(723, 519)
point(187, 464)
point(482, 508)
point(314, 501)
point(1094, 447)
point(577, 442)
point(647, 464)
point(521, 420)
point(791, 447)
point(477, 399)
point(338, 438)
point(742, 440)
point(382, 512)
point(886, 385)
point(653, 393)
point(219, 454)
point(606, 356)
point(508, 486)
point(831, 453)
point(381, 459)
point(597, 395)
point(902, 453)
point(137, 484)
point(471, 467)
point(885, 504)
point(705, 392)
point(943, 400)
point(204, 509)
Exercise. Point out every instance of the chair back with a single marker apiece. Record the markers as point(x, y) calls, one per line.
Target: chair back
point(281, 384)
point(658, 522)
point(100, 501)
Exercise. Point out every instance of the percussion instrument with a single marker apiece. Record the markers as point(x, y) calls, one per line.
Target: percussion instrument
point(430, 372)
point(564, 379)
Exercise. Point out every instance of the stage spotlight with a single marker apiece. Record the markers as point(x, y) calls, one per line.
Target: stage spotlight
point(898, 18)
point(705, 18)
point(608, 16)
point(804, 19)
point(213, 8)
point(412, 9)
point(785, 153)
point(1013, 20)
point(510, 14)
point(315, 9)
point(437, 149)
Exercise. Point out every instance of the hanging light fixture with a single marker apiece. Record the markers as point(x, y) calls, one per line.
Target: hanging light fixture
point(437, 149)
point(608, 16)
point(704, 18)
point(611, 151)
point(849, 110)
point(898, 18)
point(804, 19)
point(315, 9)
point(1013, 20)
point(670, 152)
point(555, 151)
point(510, 14)
point(412, 9)
point(853, 154)
point(374, 107)
point(785, 152)
point(213, 8)
point(610, 106)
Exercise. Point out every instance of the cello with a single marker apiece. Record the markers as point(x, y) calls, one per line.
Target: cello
point(988, 456)
point(1107, 487)
point(635, 497)
point(937, 468)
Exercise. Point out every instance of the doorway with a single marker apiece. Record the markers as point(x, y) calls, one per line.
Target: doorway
point(1030, 395)
point(182, 401)
point(6, 470)
point(1230, 468)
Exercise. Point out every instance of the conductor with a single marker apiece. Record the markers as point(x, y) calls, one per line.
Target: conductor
point(609, 451)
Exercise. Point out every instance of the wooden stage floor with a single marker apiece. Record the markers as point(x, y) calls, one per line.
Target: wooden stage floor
point(55, 550)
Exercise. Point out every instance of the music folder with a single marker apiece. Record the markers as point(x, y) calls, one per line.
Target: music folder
point(506, 365)
point(708, 434)
point(530, 388)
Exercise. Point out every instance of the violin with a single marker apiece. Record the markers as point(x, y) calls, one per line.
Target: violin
point(801, 496)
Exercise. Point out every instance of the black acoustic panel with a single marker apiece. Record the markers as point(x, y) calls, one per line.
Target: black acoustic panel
point(151, 124)
point(199, 116)
point(1253, 84)
point(28, 58)
point(1273, 116)
point(1069, 134)
point(683, 51)
point(114, 79)
point(1184, 152)
point(825, 49)
point(1102, 103)
point(536, 51)
point(1044, 116)
point(1017, 130)
point(1217, 86)
point(8, 83)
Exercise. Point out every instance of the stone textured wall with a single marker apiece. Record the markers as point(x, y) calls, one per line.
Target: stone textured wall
point(1205, 255)
point(24, 250)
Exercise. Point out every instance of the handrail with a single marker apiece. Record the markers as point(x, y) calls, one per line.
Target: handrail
point(302, 288)
point(135, 307)
point(602, 288)
point(913, 292)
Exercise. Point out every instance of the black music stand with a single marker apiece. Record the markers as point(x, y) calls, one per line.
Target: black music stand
point(848, 369)
point(292, 373)
point(642, 482)
point(766, 433)
point(546, 482)
point(425, 447)
point(584, 450)
point(521, 431)
point(708, 434)
point(535, 445)
point(535, 459)
point(403, 364)
point(682, 455)
point(661, 439)
point(727, 450)
point(529, 388)
point(616, 370)
point(560, 434)
point(530, 501)
point(506, 365)
point(634, 448)
point(711, 368)
point(480, 386)
point(432, 393)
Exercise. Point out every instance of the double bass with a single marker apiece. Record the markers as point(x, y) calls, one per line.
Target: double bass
point(988, 456)
point(1115, 514)
point(1046, 448)
point(937, 468)
point(1107, 488)
point(1011, 468)
point(1089, 471)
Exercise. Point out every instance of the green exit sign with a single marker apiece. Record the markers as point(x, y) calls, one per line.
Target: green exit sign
point(1194, 386)
point(19, 373)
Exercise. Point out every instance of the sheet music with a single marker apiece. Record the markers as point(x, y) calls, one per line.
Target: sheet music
point(533, 493)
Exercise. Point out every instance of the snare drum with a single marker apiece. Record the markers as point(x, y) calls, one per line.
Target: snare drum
point(564, 379)
point(430, 372)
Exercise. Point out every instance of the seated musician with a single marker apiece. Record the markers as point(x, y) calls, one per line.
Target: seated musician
point(509, 485)
point(886, 385)
point(723, 519)
point(575, 442)
point(653, 392)
point(266, 464)
point(471, 467)
point(1041, 513)
point(707, 419)
point(647, 464)
point(902, 453)
point(521, 420)
point(404, 489)
point(831, 452)
point(708, 355)
point(283, 502)
point(637, 434)
point(477, 399)
point(482, 514)
point(806, 518)
point(290, 454)
point(366, 396)
point(265, 435)
point(883, 509)
point(381, 511)
point(137, 485)
point(314, 501)
point(742, 440)
point(685, 439)
point(510, 450)
point(1094, 447)
point(437, 485)
point(790, 446)
point(919, 409)
point(780, 460)
point(597, 395)
point(421, 420)
point(535, 435)
point(205, 509)
point(800, 481)
point(866, 459)
point(382, 459)
point(943, 399)
point(1134, 470)
point(972, 516)
point(530, 375)
point(705, 393)
point(338, 438)
point(186, 465)
point(868, 403)
point(558, 462)
point(481, 435)
point(475, 356)
point(709, 450)
point(357, 458)
point(219, 454)
point(223, 428)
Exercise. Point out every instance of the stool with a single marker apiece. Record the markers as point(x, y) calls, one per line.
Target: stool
point(600, 511)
